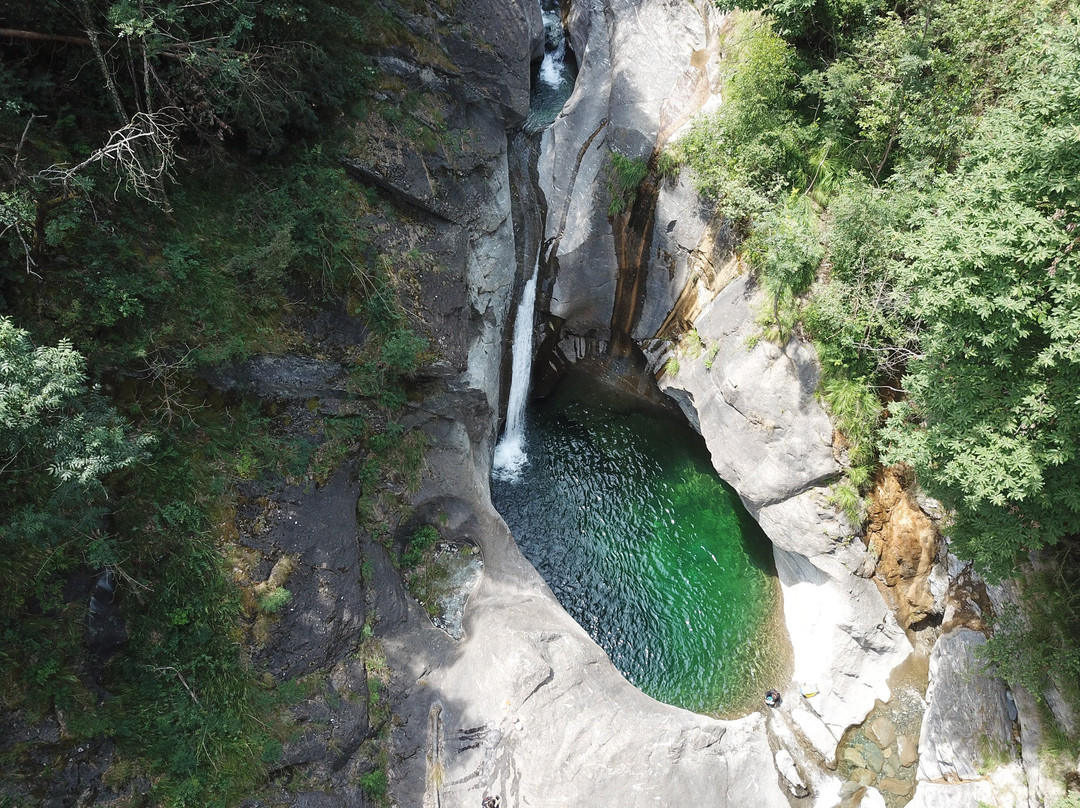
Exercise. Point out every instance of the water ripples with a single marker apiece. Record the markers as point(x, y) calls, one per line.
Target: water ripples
point(651, 553)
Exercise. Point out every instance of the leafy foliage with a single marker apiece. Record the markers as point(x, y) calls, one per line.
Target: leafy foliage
point(422, 540)
point(784, 251)
point(59, 441)
point(754, 148)
point(624, 178)
point(936, 144)
point(993, 275)
point(253, 214)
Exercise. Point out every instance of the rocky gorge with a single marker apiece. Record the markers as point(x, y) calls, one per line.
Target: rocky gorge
point(524, 708)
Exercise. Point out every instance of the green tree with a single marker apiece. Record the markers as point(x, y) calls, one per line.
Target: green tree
point(753, 148)
point(59, 440)
point(784, 251)
point(992, 418)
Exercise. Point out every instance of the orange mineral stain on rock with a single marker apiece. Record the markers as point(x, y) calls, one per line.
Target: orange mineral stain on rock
point(905, 542)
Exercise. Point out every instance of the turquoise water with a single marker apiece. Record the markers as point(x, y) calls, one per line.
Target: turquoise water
point(621, 513)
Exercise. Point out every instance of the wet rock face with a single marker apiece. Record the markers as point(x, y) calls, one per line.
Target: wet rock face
point(321, 624)
point(106, 631)
point(905, 541)
point(279, 377)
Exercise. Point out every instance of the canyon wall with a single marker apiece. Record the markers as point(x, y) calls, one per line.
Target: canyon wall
point(642, 77)
point(524, 706)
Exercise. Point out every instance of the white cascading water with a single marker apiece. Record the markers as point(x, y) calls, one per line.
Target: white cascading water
point(552, 69)
point(510, 456)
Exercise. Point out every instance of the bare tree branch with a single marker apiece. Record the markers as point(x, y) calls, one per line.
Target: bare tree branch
point(142, 153)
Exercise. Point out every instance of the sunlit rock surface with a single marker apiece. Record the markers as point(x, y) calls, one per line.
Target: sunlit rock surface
point(772, 441)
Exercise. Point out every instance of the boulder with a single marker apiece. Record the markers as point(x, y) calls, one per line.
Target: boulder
point(898, 788)
point(882, 732)
point(966, 730)
point(907, 749)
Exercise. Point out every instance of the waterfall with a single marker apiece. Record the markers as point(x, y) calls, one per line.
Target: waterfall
point(552, 85)
point(553, 81)
point(510, 455)
point(553, 68)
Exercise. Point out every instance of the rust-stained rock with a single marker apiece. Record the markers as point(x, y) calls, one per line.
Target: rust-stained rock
point(905, 541)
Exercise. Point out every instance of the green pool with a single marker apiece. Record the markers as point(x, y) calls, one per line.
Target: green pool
point(620, 511)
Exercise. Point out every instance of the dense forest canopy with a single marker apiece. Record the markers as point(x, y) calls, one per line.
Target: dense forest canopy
point(170, 188)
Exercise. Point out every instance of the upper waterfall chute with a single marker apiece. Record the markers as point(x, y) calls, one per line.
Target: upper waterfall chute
point(553, 81)
point(553, 68)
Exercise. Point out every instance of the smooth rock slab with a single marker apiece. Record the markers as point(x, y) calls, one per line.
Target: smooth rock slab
point(967, 724)
point(644, 67)
point(1003, 788)
point(785, 764)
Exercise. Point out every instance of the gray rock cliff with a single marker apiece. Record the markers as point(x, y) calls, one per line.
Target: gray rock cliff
point(768, 436)
point(525, 706)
